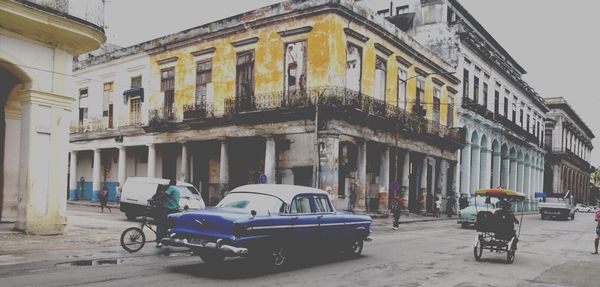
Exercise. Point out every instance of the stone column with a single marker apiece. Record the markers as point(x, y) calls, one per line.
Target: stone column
point(465, 169)
point(433, 190)
point(505, 172)
point(183, 175)
point(423, 188)
point(96, 174)
point(151, 161)
point(485, 170)
point(520, 176)
point(329, 165)
point(224, 168)
point(43, 157)
point(361, 188)
point(527, 181)
point(513, 174)
point(497, 166)
point(475, 168)
point(384, 180)
point(73, 192)
point(122, 165)
point(443, 182)
point(270, 160)
point(405, 180)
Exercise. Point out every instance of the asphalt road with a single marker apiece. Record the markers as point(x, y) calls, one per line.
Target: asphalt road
point(551, 253)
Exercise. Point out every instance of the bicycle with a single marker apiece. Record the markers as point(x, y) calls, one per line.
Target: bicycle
point(133, 238)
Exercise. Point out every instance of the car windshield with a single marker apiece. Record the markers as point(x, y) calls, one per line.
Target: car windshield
point(481, 201)
point(188, 192)
point(261, 203)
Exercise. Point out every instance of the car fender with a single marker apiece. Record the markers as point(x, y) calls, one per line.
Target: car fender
point(361, 232)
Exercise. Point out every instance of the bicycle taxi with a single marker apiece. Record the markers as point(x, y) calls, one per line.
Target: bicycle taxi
point(496, 227)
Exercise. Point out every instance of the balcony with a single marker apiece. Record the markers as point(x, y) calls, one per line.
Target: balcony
point(346, 104)
point(567, 155)
point(161, 120)
point(198, 111)
point(91, 11)
point(479, 109)
point(97, 124)
point(517, 129)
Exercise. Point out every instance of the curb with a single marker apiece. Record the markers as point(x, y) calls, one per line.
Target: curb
point(90, 203)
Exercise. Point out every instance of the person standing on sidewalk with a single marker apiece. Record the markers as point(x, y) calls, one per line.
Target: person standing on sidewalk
point(397, 206)
point(597, 240)
point(104, 198)
point(438, 206)
point(170, 205)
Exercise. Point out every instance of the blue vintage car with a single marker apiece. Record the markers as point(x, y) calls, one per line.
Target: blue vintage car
point(268, 221)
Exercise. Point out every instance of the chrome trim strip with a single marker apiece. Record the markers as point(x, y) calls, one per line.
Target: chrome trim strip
point(209, 245)
point(306, 225)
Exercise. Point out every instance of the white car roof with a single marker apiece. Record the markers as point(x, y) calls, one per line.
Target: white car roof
point(156, 180)
point(285, 192)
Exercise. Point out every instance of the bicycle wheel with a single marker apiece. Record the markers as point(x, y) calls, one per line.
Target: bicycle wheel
point(133, 239)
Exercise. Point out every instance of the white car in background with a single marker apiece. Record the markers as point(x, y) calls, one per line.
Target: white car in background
point(583, 208)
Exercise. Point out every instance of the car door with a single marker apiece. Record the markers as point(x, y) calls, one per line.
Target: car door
point(304, 220)
point(331, 226)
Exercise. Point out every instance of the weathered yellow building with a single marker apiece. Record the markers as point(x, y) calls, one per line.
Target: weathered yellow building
point(236, 99)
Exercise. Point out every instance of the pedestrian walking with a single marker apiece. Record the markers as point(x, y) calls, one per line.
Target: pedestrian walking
point(450, 205)
point(463, 202)
point(397, 206)
point(597, 240)
point(438, 207)
point(104, 198)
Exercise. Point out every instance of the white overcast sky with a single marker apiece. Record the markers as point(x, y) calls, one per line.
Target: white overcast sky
point(555, 41)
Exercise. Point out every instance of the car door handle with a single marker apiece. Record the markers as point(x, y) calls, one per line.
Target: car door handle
point(320, 216)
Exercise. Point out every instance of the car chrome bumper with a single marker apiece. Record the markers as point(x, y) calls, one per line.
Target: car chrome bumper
point(177, 242)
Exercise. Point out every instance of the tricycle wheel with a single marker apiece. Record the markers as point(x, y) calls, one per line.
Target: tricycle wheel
point(478, 251)
point(133, 239)
point(510, 256)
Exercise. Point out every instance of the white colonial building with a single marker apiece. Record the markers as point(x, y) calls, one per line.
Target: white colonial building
point(569, 142)
point(503, 115)
point(38, 39)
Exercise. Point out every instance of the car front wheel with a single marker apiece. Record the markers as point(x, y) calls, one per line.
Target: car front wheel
point(356, 247)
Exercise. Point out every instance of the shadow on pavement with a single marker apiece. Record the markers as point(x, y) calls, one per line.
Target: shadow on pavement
point(241, 268)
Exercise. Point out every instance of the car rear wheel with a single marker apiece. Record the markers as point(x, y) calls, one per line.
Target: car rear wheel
point(279, 257)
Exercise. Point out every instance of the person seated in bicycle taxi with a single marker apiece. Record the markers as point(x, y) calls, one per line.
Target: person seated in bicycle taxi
point(165, 203)
point(506, 219)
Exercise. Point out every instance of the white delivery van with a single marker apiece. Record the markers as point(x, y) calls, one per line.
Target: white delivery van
point(138, 190)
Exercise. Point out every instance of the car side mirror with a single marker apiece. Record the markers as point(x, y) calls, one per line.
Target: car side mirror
point(253, 212)
point(185, 207)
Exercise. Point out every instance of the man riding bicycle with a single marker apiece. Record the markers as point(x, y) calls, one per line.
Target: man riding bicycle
point(167, 202)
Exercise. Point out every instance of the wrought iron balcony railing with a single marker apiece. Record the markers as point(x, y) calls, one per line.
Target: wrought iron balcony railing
point(198, 110)
point(96, 124)
point(160, 117)
point(131, 120)
point(481, 110)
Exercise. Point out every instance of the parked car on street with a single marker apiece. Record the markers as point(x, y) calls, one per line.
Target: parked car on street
point(268, 222)
point(583, 208)
point(468, 215)
point(138, 190)
point(557, 206)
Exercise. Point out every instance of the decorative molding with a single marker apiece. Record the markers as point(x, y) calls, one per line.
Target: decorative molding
point(420, 71)
point(244, 42)
point(167, 60)
point(296, 31)
point(358, 36)
point(437, 81)
point(383, 49)
point(204, 52)
point(451, 90)
point(108, 75)
point(136, 68)
point(403, 61)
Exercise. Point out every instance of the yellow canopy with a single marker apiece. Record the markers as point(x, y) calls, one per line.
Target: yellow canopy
point(499, 192)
